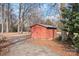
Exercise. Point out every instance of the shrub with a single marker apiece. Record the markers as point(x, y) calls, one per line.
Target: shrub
point(76, 40)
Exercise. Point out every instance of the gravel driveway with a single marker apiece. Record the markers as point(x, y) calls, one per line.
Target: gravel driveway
point(25, 48)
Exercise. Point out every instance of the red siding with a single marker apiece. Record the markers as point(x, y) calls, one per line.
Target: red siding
point(49, 34)
point(40, 32)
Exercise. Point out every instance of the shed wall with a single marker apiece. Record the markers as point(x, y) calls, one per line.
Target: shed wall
point(40, 32)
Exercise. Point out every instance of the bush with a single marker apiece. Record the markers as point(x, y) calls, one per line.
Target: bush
point(2, 39)
point(3, 45)
point(59, 38)
point(66, 40)
point(76, 40)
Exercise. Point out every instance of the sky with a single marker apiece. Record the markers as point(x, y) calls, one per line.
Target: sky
point(48, 10)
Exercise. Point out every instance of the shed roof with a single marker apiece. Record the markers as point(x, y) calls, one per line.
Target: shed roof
point(47, 26)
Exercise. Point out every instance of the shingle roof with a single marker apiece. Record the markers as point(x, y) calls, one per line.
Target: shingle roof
point(47, 26)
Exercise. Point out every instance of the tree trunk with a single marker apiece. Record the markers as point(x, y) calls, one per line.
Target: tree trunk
point(2, 17)
point(21, 25)
point(7, 29)
point(18, 27)
point(2, 28)
point(7, 20)
point(64, 35)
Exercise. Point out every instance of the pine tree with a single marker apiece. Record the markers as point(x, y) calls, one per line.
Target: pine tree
point(71, 23)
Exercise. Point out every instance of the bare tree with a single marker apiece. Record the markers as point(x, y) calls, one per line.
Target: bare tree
point(7, 21)
point(23, 11)
point(2, 5)
point(19, 18)
point(7, 17)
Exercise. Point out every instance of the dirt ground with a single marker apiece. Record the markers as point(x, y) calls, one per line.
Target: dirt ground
point(35, 47)
point(24, 47)
point(54, 46)
point(14, 34)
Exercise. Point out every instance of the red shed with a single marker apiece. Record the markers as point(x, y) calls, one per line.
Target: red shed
point(40, 31)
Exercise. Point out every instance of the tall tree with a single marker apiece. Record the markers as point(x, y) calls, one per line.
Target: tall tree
point(71, 23)
point(24, 11)
point(19, 18)
point(7, 17)
point(2, 17)
point(63, 33)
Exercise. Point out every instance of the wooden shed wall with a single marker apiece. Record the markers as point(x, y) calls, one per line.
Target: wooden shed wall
point(40, 32)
